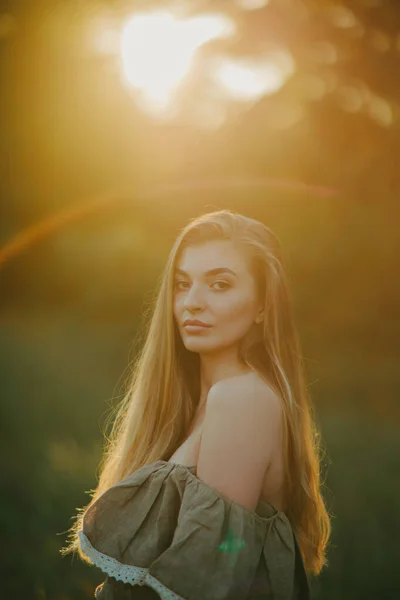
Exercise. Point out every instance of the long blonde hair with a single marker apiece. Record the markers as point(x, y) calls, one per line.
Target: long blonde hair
point(163, 393)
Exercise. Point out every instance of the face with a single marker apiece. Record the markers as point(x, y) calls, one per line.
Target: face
point(225, 300)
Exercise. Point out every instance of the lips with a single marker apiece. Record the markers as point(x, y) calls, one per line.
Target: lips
point(196, 323)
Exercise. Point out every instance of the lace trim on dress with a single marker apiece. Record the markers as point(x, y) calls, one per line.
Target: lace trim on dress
point(125, 573)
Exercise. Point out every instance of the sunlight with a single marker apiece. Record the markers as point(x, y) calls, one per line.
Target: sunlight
point(252, 79)
point(157, 51)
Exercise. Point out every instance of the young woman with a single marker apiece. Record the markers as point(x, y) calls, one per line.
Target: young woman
point(210, 481)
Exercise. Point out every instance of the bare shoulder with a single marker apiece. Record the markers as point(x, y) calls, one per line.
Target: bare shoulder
point(242, 388)
point(238, 438)
point(248, 399)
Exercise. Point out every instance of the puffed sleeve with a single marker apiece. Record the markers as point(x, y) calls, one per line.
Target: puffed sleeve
point(164, 528)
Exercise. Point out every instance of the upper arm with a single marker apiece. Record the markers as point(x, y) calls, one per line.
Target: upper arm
point(239, 432)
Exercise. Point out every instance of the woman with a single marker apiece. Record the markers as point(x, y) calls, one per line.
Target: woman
point(210, 482)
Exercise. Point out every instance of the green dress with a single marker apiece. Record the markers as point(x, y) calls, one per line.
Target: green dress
point(164, 533)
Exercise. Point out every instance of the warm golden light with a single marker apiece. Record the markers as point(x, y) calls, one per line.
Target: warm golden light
point(157, 51)
point(251, 4)
point(252, 79)
point(341, 16)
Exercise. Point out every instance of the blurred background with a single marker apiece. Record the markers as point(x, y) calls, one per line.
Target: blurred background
point(120, 121)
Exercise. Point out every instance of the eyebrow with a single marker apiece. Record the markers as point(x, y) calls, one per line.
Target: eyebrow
point(211, 271)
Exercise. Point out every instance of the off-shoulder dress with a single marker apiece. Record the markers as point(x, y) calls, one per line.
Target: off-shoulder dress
point(164, 533)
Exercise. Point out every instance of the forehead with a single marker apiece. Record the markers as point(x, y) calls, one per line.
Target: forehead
point(212, 254)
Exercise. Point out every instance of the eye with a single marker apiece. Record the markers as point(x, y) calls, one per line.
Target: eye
point(178, 282)
point(224, 283)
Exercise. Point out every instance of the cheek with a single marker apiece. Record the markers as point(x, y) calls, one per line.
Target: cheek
point(177, 308)
point(234, 307)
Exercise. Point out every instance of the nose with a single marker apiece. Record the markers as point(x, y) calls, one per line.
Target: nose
point(194, 299)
